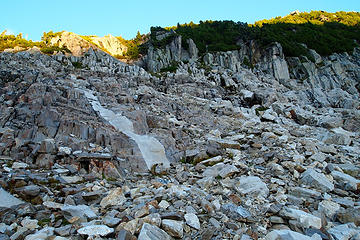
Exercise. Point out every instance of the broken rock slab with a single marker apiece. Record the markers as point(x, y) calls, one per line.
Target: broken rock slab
point(95, 230)
point(115, 197)
point(151, 232)
point(346, 181)
point(7, 200)
point(317, 180)
point(286, 235)
point(251, 185)
point(304, 219)
point(220, 169)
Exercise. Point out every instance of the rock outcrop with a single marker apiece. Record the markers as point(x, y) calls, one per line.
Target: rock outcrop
point(111, 44)
point(79, 45)
point(162, 57)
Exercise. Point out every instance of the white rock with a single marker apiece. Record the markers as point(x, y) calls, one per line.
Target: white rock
point(71, 179)
point(192, 220)
point(30, 223)
point(65, 150)
point(95, 230)
point(345, 231)
point(305, 219)
point(18, 165)
point(164, 204)
point(53, 205)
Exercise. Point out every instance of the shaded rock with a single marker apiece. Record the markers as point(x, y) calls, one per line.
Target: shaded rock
point(318, 180)
point(344, 231)
point(150, 232)
point(124, 235)
point(82, 211)
point(346, 181)
point(350, 215)
point(115, 197)
point(220, 169)
point(235, 212)
point(42, 234)
point(304, 219)
point(286, 235)
point(251, 185)
point(174, 228)
point(7, 200)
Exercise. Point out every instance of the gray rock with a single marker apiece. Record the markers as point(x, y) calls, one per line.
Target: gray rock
point(95, 230)
point(349, 215)
point(82, 211)
point(192, 220)
point(111, 221)
point(344, 231)
point(329, 208)
point(220, 169)
point(47, 146)
point(124, 235)
point(251, 185)
point(7, 200)
point(318, 180)
point(151, 232)
point(42, 234)
point(115, 197)
point(346, 181)
point(235, 212)
point(286, 235)
point(174, 228)
point(304, 219)
point(305, 193)
point(31, 190)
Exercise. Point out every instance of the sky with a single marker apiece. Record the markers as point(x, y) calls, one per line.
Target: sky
point(125, 18)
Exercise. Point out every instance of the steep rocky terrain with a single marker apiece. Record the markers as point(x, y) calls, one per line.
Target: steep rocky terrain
point(92, 148)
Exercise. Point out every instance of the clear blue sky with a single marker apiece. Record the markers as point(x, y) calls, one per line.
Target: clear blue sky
point(125, 18)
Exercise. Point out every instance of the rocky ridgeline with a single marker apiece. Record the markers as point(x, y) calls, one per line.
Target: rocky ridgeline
point(92, 148)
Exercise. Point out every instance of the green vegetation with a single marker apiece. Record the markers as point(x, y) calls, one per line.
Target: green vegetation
point(134, 49)
point(324, 32)
point(12, 41)
point(172, 68)
point(77, 64)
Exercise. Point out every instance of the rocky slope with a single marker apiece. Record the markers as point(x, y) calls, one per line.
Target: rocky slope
point(92, 148)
